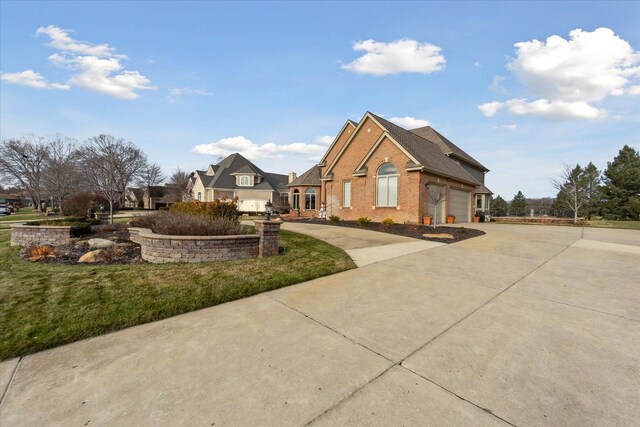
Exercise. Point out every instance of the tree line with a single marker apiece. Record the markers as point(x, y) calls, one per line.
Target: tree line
point(52, 170)
point(587, 192)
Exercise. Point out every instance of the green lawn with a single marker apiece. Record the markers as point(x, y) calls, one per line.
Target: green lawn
point(604, 223)
point(46, 305)
point(24, 214)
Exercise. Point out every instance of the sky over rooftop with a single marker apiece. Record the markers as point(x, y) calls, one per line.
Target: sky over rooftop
point(522, 87)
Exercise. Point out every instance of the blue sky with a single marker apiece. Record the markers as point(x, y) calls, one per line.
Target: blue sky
point(189, 82)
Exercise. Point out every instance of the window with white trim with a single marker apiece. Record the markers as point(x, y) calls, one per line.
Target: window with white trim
point(310, 199)
point(387, 185)
point(346, 194)
point(199, 196)
point(245, 180)
point(296, 199)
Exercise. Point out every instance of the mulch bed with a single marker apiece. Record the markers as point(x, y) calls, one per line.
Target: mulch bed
point(416, 231)
point(123, 252)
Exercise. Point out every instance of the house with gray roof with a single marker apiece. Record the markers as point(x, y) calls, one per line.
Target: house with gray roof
point(237, 177)
point(379, 170)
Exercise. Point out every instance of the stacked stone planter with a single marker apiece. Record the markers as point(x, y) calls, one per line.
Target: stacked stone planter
point(26, 235)
point(159, 248)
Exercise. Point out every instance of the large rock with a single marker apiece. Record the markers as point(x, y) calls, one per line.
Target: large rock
point(100, 243)
point(93, 256)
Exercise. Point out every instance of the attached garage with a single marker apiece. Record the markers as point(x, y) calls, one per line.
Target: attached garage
point(460, 205)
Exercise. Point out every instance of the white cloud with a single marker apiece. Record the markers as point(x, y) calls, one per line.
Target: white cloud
point(30, 78)
point(177, 93)
point(409, 122)
point(510, 127)
point(98, 68)
point(496, 84)
point(477, 64)
point(252, 151)
point(401, 56)
point(634, 90)
point(324, 140)
point(568, 76)
point(490, 108)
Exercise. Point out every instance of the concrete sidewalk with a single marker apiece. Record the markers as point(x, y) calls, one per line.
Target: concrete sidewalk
point(521, 326)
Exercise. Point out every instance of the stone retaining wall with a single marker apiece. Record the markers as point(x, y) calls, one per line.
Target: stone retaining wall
point(26, 235)
point(536, 220)
point(159, 248)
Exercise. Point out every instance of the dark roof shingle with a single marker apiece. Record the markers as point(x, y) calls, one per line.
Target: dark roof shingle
point(309, 178)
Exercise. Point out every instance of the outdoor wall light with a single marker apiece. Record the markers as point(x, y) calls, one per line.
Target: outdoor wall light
point(268, 210)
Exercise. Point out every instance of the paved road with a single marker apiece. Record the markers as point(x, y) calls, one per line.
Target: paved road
point(527, 325)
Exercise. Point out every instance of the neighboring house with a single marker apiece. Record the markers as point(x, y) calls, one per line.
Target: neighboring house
point(379, 170)
point(14, 199)
point(154, 197)
point(237, 177)
point(133, 197)
point(304, 192)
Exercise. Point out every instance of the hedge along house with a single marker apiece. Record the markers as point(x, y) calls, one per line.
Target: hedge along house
point(236, 176)
point(379, 170)
point(305, 192)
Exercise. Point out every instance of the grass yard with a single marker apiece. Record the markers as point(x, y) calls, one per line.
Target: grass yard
point(25, 214)
point(603, 223)
point(47, 305)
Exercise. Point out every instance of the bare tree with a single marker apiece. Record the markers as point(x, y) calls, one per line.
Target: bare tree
point(435, 196)
point(23, 161)
point(179, 184)
point(150, 176)
point(109, 164)
point(62, 175)
point(572, 189)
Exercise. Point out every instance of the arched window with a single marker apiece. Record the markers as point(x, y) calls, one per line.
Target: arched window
point(296, 199)
point(245, 180)
point(387, 185)
point(310, 199)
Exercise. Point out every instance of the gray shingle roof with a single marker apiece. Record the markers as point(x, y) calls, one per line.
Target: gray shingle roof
point(235, 163)
point(309, 178)
point(483, 190)
point(446, 146)
point(426, 153)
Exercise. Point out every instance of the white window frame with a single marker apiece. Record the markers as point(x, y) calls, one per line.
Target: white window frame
point(241, 179)
point(385, 178)
point(346, 201)
point(199, 196)
point(313, 195)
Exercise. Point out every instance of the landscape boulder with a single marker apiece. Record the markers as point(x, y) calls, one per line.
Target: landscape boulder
point(94, 256)
point(100, 243)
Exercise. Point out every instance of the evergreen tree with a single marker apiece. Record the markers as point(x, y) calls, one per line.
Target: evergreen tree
point(592, 178)
point(518, 206)
point(621, 190)
point(499, 206)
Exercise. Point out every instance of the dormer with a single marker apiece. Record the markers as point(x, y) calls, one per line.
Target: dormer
point(244, 179)
point(211, 170)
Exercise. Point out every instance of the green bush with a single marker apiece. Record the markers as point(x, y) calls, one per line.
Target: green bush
point(363, 220)
point(216, 209)
point(387, 222)
point(334, 218)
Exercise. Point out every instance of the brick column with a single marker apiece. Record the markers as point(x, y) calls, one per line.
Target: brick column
point(269, 232)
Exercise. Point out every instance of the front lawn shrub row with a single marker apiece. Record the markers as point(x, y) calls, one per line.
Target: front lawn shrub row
point(184, 224)
point(217, 209)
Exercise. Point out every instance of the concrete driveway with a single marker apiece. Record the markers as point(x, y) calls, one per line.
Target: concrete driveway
point(527, 325)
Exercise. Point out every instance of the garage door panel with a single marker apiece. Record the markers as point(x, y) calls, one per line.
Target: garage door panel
point(460, 205)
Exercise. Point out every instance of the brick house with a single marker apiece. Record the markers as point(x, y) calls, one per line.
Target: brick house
point(304, 192)
point(377, 169)
point(236, 176)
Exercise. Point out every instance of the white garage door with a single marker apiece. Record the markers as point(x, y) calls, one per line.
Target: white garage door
point(460, 205)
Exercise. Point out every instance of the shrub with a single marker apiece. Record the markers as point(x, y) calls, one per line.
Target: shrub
point(78, 203)
point(216, 209)
point(143, 221)
point(334, 218)
point(183, 224)
point(140, 203)
point(386, 222)
point(38, 253)
point(363, 220)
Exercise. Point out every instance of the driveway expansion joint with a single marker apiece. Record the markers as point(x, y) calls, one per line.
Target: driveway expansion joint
point(13, 375)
